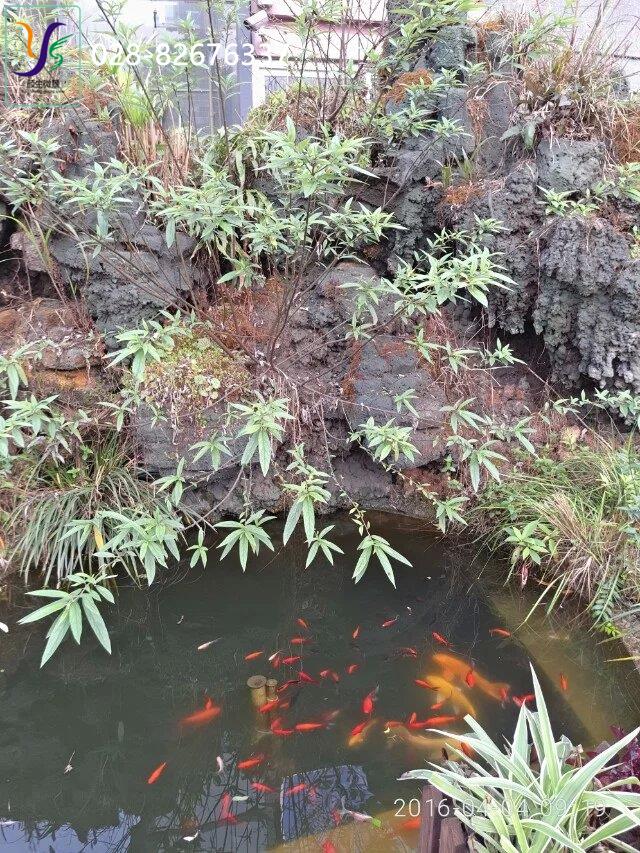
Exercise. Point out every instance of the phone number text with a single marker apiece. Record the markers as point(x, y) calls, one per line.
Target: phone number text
point(180, 55)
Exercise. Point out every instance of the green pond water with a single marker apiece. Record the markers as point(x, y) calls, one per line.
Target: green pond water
point(80, 738)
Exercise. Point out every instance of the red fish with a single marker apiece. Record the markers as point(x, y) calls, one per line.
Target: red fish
point(389, 622)
point(467, 750)
point(440, 639)
point(299, 641)
point(470, 678)
point(356, 633)
point(499, 632)
point(367, 703)
point(309, 727)
point(288, 684)
point(393, 724)
point(334, 676)
point(293, 659)
point(352, 668)
point(262, 788)
point(269, 706)
point(157, 773)
point(329, 847)
point(248, 763)
point(307, 678)
point(253, 655)
point(410, 825)
point(208, 713)
point(504, 694)
point(276, 723)
point(296, 789)
point(564, 684)
point(302, 623)
point(425, 684)
point(324, 673)
point(522, 700)
point(356, 730)
point(283, 732)
point(437, 705)
point(225, 809)
point(441, 721)
point(275, 661)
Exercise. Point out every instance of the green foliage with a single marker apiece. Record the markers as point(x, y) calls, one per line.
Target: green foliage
point(311, 491)
point(562, 204)
point(386, 440)
point(12, 367)
point(576, 519)
point(84, 594)
point(377, 546)
point(539, 794)
point(246, 533)
point(263, 422)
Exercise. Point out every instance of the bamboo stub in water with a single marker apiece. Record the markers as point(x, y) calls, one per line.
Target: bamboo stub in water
point(256, 684)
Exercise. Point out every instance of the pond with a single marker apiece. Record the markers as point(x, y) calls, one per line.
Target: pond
point(80, 740)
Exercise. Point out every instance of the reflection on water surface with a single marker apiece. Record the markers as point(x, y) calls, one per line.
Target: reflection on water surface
point(80, 739)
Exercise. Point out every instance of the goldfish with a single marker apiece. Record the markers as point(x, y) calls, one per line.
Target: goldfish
point(287, 684)
point(157, 773)
point(522, 700)
point(283, 732)
point(262, 788)
point(324, 673)
point(299, 641)
point(296, 789)
point(356, 730)
point(504, 693)
point(367, 702)
point(276, 661)
point(334, 676)
point(359, 817)
point(499, 632)
point(429, 743)
point(392, 724)
point(410, 825)
point(457, 697)
point(304, 677)
point(564, 684)
point(293, 659)
point(356, 633)
point(422, 683)
point(470, 678)
point(329, 847)
point(225, 808)
point(441, 721)
point(253, 655)
point(249, 763)
point(389, 622)
point(437, 705)
point(466, 749)
point(220, 764)
point(408, 651)
point(309, 727)
point(208, 713)
point(274, 655)
point(206, 645)
point(269, 706)
point(460, 669)
point(302, 623)
point(358, 739)
point(352, 668)
point(440, 639)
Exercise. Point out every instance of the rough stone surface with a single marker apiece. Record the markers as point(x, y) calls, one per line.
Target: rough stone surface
point(570, 165)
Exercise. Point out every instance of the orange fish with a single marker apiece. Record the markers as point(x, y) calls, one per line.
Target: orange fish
point(504, 694)
point(466, 749)
point(157, 773)
point(296, 789)
point(441, 721)
point(304, 677)
point(253, 655)
point(299, 641)
point(262, 788)
point(324, 673)
point(356, 633)
point(288, 684)
point(440, 639)
point(357, 730)
point(470, 678)
point(392, 724)
point(309, 727)
point(248, 763)
point(275, 662)
point(422, 683)
point(357, 740)
point(408, 651)
point(208, 713)
point(269, 706)
point(410, 825)
point(352, 668)
point(564, 684)
point(334, 676)
point(499, 632)
point(225, 809)
point(329, 847)
point(389, 622)
point(280, 732)
point(302, 623)
point(522, 700)
point(455, 665)
point(293, 659)
point(437, 705)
